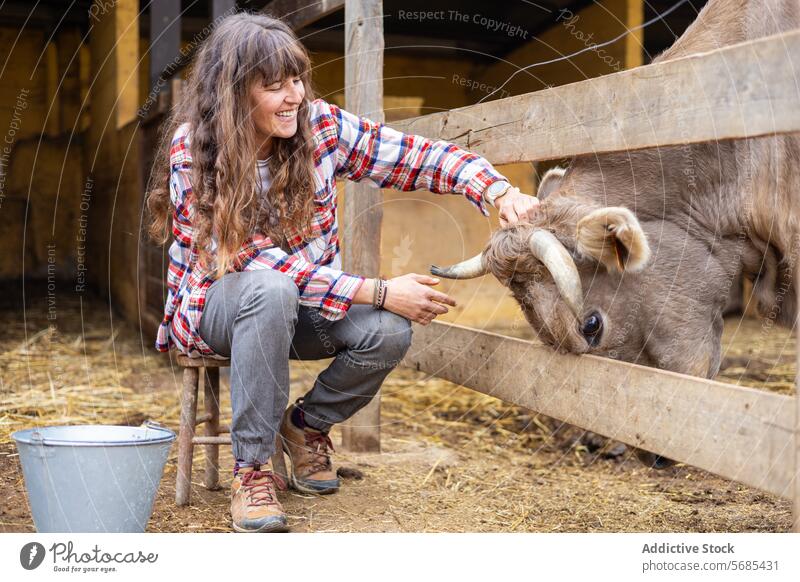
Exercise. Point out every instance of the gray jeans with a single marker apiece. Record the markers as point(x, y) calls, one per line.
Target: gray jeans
point(255, 318)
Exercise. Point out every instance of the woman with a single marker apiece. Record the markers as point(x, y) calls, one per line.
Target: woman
point(247, 172)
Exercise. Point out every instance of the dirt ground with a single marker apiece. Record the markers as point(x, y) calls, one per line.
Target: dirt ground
point(453, 460)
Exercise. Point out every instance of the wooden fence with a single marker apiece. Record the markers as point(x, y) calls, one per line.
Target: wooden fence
point(746, 90)
point(751, 89)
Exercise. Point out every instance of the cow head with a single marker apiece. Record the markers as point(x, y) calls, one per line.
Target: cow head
point(592, 278)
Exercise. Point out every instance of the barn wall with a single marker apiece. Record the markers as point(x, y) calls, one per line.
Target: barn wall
point(595, 24)
point(21, 118)
point(112, 155)
point(41, 153)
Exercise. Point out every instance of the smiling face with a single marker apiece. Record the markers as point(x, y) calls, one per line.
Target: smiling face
point(273, 108)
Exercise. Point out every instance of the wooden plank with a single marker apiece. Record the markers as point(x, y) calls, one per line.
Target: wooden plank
point(634, 40)
point(211, 440)
point(796, 492)
point(149, 323)
point(211, 404)
point(201, 418)
point(127, 61)
point(738, 433)
point(744, 90)
point(52, 97)
point(296, 13)
point(363, 210)
point(187, 362)
point(155, 294)
point(151, 262)
point(300, 13)
point(183, 480)
point(222, 8)
point(165, 38)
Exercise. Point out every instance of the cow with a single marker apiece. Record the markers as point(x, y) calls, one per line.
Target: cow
point(633, 255)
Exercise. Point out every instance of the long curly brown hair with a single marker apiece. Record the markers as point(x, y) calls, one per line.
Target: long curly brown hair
point(243, 49)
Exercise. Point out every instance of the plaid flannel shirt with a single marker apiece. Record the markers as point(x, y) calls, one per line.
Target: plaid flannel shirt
point(346, 147)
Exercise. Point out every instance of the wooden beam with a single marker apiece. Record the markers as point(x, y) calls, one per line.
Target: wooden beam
point(165, 38)
point(84, 74)
point(796, 491)
point(221, 8)
point(738, 433)
point(52, 98)
point(126, 14)
point(68, 44)
point(363, 210)
point(634, 41)
point(153, 259)
point(187, 362)
point(744, 90)
point(300, 13)
point(297, 14)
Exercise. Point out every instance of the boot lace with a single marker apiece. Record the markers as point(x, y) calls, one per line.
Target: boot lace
point(319, 443)
point(260, 487)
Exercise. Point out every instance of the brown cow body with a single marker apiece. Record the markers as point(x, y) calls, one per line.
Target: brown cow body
point(658, 277)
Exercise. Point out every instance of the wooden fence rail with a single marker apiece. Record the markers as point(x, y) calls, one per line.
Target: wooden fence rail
point(738, 433)
point(744, 90)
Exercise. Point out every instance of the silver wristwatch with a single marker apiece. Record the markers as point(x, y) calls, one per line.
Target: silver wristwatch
point(495, 190)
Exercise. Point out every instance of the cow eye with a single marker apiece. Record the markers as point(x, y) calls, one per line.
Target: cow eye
point(592, 328)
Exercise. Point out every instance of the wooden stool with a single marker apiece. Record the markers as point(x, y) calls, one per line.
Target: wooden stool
point(216, 434)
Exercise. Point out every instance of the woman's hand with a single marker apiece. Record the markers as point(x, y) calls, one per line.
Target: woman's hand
point(412, 297)
point(514, 207)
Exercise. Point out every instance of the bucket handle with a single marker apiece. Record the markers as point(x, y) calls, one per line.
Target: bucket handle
point(39, 443)
point(155, 425)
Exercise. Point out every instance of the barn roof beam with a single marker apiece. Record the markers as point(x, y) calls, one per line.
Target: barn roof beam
point(301, 13)
point(165, 40)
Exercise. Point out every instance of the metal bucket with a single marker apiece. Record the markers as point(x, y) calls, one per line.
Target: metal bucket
point(92, 478)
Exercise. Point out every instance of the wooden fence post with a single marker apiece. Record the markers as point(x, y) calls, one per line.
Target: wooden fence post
point(363, 212)
point(796, 492)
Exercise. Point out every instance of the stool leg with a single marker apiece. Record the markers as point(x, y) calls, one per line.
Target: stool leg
point(183, 482)
point(211, 397)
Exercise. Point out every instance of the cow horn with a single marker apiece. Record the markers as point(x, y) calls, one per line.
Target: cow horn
point(548, 249)
point(545, 247)
point(469, 269)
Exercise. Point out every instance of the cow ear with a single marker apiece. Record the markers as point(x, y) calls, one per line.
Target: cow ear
point(614, 237)
point(550, 182)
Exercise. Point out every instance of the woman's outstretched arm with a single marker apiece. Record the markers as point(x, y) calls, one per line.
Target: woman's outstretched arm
point(392, 159)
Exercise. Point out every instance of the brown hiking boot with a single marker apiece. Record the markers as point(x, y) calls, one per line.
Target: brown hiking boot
point(308, 450)
point(254, 505)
